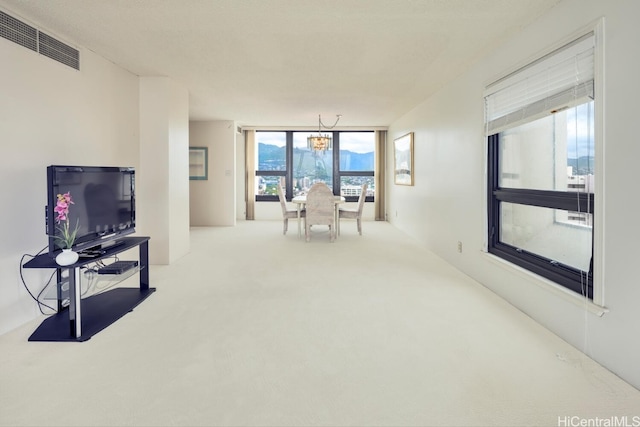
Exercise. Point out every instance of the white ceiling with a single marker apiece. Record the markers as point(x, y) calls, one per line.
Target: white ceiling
point(283, 62)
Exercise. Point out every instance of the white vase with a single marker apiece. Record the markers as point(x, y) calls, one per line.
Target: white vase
point(66, 257)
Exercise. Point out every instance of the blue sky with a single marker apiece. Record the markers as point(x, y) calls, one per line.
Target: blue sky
point(580, 132)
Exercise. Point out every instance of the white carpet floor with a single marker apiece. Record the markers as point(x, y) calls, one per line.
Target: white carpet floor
point(254, 328)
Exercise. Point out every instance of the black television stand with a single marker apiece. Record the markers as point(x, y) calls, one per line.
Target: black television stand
point(84, 318)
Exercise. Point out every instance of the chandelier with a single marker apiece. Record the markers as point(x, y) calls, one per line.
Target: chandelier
point(322, 142)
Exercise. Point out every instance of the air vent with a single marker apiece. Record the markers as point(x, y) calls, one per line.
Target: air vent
point(58, 51)
point(18, 32)
point(29, 37)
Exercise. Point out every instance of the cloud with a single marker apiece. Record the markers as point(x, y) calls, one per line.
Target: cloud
point(580, 131)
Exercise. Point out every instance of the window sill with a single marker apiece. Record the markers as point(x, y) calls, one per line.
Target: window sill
point(549, 286)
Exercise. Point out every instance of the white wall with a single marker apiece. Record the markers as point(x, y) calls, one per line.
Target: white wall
point(52, 114)
point(447, 204)
point(164, 160)
point(213, 201)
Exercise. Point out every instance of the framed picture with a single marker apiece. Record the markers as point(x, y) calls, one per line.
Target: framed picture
point(403, 159)
point(198, 163)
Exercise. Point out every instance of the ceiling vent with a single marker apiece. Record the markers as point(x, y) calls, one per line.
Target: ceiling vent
point(18, 32)
point(33, 39)
point(58, 51)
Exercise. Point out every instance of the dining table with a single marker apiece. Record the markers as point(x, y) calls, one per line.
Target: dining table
point(301, 200)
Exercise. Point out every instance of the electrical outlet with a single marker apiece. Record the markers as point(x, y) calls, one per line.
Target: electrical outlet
point(460, 246)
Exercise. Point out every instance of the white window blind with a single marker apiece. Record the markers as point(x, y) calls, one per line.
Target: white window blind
point(559, 80)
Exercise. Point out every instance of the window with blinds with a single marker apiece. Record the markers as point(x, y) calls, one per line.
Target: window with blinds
point(541, 165)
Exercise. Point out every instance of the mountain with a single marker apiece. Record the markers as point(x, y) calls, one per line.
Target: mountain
point(356, 161)
point(272, 157)
point(583, 165)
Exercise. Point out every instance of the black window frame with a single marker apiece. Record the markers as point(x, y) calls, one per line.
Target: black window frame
point(574, 279)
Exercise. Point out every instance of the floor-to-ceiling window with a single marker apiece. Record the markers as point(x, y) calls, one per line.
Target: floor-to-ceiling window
point(284, 158)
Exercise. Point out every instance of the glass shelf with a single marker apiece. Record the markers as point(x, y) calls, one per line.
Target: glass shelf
point(91, 283)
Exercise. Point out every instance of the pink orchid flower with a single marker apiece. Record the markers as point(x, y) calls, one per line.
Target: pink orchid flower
point(67, 197)
point(66, 236)
point(62, 206)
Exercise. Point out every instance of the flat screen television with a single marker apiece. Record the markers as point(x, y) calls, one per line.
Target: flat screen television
point(104, 204)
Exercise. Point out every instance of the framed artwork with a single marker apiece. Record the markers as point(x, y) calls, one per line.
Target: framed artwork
point(198, 163)
point(403, 159)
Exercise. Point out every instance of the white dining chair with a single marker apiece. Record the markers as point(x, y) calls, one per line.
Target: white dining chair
point(320, 210)
point(286, 212)
point(354, 213)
